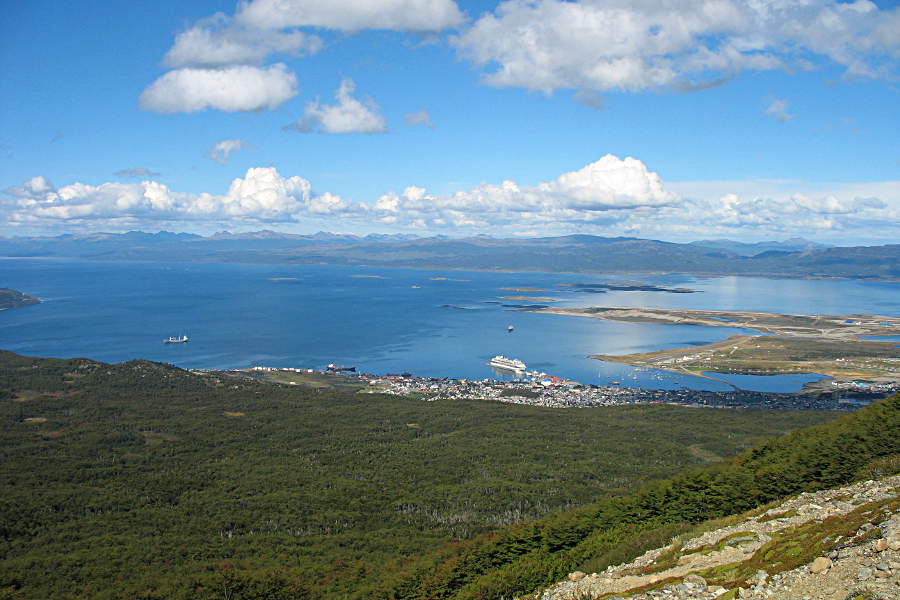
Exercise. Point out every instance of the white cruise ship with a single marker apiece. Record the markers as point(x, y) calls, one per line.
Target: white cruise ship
point(508, 364)
point(176, 340)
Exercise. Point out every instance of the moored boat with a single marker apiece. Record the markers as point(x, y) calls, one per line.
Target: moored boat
point(508, 364)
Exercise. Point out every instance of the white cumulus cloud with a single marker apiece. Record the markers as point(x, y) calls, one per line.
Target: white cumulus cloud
point(349, 115)
point(778, 109)
point(262, 195)
point(239, 88)
point(221, 151)
point(594, 193)
point(611, 196)
point(136, 173)
point(31, 187)
point(419, 118)
point(351, 15)
point(217, 41)
point(634, 45)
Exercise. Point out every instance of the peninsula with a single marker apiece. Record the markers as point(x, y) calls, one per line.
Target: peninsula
point(833, 345)
point(14, 299)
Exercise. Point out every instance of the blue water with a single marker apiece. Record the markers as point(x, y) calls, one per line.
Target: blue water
point(882, 338)
point(769, 383)
point(309, 316)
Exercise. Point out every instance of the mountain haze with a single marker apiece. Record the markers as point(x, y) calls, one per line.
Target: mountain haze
point(572, 253)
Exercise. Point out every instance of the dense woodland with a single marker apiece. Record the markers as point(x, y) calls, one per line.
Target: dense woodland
point(141, 480)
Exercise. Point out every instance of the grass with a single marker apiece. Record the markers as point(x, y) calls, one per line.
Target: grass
point(315, 381)
point(735, 539)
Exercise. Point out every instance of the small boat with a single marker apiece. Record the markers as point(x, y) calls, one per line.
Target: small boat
point(336, 368)
point(176, 340)
point(510, 329)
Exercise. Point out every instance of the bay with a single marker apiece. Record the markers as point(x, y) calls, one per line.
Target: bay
point(429, 323)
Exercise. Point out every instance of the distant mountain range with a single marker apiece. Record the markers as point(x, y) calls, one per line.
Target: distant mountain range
point(572, 253)
point(745, 249)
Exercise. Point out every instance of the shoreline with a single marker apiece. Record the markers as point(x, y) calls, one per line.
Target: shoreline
point(651, 273)
point(831, 346)
point(559, 394)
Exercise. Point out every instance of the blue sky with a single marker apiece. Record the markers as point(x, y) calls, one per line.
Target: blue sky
point(671, 120)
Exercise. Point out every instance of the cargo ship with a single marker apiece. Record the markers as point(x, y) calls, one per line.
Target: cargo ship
point(507, 364)
point(176, 340)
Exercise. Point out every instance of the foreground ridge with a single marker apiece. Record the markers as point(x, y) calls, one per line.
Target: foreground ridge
point(838, 544)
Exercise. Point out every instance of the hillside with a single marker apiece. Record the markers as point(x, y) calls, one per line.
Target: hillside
point(532, 556)
point(573, 253)
point(831, 545)
point(142, 480)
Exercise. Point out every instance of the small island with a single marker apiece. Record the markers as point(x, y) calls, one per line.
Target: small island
point(599, 288)
point(15, 299)
point(528, 298)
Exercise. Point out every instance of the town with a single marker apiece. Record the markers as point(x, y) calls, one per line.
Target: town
point(556, 392)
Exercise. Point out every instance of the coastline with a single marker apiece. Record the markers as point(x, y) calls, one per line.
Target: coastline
point(832, 346)
point(427, 267)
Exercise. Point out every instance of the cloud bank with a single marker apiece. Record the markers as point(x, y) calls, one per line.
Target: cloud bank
point(351, 15)
point(218, 41)
point(635, 45)
point(217, 63)
point(591, 46)
point(611, 196)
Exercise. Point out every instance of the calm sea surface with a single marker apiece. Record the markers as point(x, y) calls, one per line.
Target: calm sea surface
point(429, 323)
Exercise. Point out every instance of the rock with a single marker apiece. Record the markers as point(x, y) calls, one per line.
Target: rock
point(576, 576)
point(882, 574)
point(820, 565)
point(864, 573)
point(881, 545)
point(894, 543)
point(696, 580)
point(883, 566)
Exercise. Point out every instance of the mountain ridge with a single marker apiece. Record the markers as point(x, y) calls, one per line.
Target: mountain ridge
point(571, 253)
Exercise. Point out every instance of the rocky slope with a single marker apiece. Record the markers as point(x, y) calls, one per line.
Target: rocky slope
point(840, 544)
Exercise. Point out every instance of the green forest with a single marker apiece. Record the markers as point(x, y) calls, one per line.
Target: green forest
point(141, 480)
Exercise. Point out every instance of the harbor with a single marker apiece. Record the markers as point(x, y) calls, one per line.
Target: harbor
point(546, 390)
